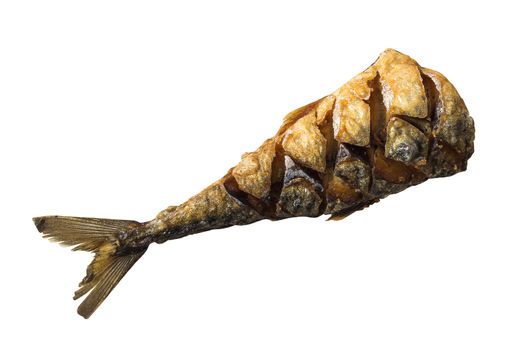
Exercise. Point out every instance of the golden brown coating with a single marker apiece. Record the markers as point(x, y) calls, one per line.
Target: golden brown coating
point(254, 171)
point(403, 88)
point(352, 120)
point(304, 142)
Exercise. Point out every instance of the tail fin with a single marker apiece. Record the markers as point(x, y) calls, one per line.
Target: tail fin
point(99, 236)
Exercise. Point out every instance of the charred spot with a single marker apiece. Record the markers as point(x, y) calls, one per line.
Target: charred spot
point(458, 132)
point(301, 193)
point(300, 199)
point(405, 152)
point(445, 160)
point(352, 166)
point(405, 142)
point(355, 172)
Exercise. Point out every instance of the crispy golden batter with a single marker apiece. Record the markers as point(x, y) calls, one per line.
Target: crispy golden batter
point(254, 171)
point(352, 121)
point(304, 142)
point(403, 88)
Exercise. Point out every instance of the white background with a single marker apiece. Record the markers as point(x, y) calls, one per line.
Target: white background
point(119, 109)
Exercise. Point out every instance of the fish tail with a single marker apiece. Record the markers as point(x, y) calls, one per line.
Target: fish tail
point(103, 237)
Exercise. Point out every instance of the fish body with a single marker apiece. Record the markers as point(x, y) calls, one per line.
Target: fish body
point(392, 126)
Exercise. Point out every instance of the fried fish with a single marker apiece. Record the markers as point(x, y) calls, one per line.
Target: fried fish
point(392, 126)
